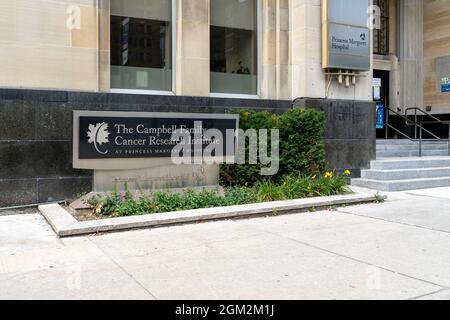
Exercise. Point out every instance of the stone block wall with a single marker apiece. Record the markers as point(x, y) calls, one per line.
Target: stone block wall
point(349, 134)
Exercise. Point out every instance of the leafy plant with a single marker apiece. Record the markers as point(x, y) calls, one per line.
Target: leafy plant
point(302, 150)
point(290, 187)
point(379, 198)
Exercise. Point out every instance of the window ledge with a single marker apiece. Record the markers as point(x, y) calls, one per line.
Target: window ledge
point(143, 92)
point(234, 96)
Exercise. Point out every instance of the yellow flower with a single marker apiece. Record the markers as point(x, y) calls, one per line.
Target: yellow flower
point(328, 175)
point(347, 173)
point(98, 209)
point(246, 114)
point(314, 177)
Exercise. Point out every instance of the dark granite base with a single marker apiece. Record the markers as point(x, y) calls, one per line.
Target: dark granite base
point(350, 134)
point(36, 136)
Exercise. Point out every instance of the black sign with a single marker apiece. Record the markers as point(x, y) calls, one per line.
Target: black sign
point(153, 135)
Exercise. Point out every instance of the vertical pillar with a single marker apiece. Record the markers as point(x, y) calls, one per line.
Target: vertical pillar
point(104, 60)
point(275, 50)
point(192, 48)
point(411, 52)
point(307, 75)
point(284, 51)
point(268, 49)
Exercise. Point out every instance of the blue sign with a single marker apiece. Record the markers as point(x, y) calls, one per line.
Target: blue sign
point(445, 87)
point(380, 115)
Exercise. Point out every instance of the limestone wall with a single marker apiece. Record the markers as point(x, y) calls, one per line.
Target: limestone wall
point(38, 50)
point(436, 45)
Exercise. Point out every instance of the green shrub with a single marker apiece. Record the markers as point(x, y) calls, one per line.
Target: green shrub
point(247, 174)
point(302, 150)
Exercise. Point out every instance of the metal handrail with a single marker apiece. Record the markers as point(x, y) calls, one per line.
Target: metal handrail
point(398, 131)
point(416, 124)
point(424, 112)
point(436, 120)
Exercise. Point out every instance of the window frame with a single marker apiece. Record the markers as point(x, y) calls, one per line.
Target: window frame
point(384, 18)
point(258, 62)
point(174, 56)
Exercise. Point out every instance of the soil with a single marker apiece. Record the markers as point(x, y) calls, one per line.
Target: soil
point(84, 214)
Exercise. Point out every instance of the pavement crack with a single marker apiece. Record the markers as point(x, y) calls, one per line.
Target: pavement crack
point(429, 294)
point(360, 261)
point(425, 196)
point(353, 259)
point(124, 270)
point(395, 222)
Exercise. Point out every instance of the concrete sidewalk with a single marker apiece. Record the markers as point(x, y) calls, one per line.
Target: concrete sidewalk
point(395, 250)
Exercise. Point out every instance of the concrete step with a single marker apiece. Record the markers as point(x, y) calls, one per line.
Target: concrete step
point(402, 185)
point(410, 153)
point(410, 163)
point(413, 147)
point(405, 174)
point(408, 142)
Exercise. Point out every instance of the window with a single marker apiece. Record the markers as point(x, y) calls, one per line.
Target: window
point(234, 46)
point(141, 44)
point(381, 36)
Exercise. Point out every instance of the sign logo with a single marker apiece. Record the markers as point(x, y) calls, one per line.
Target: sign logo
point(98, 134)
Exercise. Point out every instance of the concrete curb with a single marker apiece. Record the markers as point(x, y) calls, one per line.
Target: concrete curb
point(65, 225)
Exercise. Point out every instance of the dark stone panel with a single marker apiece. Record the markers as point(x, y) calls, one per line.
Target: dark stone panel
point(11, 94)
point(54, 159)
point(17, 120)
point(89, 106)
point(88, 97)
point(350, 134)
point(60, 189)
point(349, 154)
point(53, 120)
point(17, 160)
point(201, 103)
point(45, 95)
point(18, 192)
point(345, 119)
point(116, 98)
point(20, 160)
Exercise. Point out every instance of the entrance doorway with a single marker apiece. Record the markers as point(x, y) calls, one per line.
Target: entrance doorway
point(381, 98)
